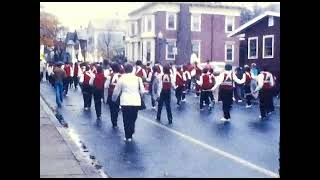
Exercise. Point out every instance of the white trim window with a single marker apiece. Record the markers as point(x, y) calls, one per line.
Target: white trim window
point(142, 25)
point(196, 48)
point(229, 52)
point(229, 24)
point(171, 21)
point(133, 26)
point(169, 49)
point(268, 46)
point(148, 47)
point(196, 22)
point(252, 47)
point(270, 21)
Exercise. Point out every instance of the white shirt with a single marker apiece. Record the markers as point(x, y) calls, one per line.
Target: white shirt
point(260, 80)
point(130, 86)
point(219, 79)
point(187, 75)
point(114, 79)
point(42, 66)
point(138, 68)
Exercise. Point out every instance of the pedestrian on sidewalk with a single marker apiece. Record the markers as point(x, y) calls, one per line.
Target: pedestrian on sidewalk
point(111, 82)
point(131, 88)
point(66, 82)
point(164, 93)
point(98, 86)
point(87, 80)
point(179, 85)
point(59, 75)
point(264, 87)
point(51, 74)
point(205, 83)
point(225, 81)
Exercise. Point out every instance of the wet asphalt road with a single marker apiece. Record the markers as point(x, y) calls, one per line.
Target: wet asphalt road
point(185, 149)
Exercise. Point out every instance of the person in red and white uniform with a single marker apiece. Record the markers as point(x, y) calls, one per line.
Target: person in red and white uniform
point(226, 81)
point(205, 83)
point(164, 93)
point(247, 86)
point(140, 72)
point(179, 85)
point(111, 84)
point(69, 73)
point(195, 74)
point(76, 74)
point(86, 81)
point(265, 84)
point(98, 86)
point(187, 75)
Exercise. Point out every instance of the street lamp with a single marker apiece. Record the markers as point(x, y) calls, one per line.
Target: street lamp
point(161, 40)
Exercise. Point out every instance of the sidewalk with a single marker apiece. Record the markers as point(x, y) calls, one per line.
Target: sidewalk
point(57, 160)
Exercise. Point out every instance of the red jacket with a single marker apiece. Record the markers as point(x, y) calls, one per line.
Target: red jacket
point(86, 78)
point(227, 83)
point(166, 82)
point(76, 69)
point(266, 82)
point(67, 68)
point(206, 82)
point(99, 81)
point(248, 78)
point(179, 79)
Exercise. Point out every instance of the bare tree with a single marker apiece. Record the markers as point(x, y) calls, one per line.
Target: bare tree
point(107, 41)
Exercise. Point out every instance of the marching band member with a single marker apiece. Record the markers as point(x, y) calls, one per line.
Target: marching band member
point(225, 81)
point(265, 84)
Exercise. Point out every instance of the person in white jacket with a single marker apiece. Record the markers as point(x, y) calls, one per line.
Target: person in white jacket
point(130, 88)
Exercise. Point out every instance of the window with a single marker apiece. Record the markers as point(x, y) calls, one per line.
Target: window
point(229, 24)
point(229, 48)
point(195, 22)
point(253, 48)
point(268, 45)
point(171, 21)
point(149, 24)
point(196, 48)
point(169, 49)
point(270, 21)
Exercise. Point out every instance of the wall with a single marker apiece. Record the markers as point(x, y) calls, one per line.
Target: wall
point(261, 29)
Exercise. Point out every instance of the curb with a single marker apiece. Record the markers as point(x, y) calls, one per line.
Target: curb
point(85, 162)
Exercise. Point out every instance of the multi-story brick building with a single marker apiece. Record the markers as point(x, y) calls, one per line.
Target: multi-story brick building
point(186, 28)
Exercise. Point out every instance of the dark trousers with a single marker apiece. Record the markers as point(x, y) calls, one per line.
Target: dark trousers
point(47, 76)
point(66, 82)
point(204, 97)
point(211, 97)
point(165, 97)
point(97, 95)
point(75, 81)
point(41, 76)
point(114, 110)
point(51, 80)
point(226, 97)
point(87, 95)
point(188, 84)
point(266, 101)
point(180, 94)
point(130, 114)
point(247, 91)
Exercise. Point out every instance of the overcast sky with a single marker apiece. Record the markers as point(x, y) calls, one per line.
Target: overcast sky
point(75, 14)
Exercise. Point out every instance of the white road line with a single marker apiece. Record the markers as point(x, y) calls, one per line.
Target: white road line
point(216, 150)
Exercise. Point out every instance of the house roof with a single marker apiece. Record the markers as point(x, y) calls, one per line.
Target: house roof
point(203, 4)
point(253, 21)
